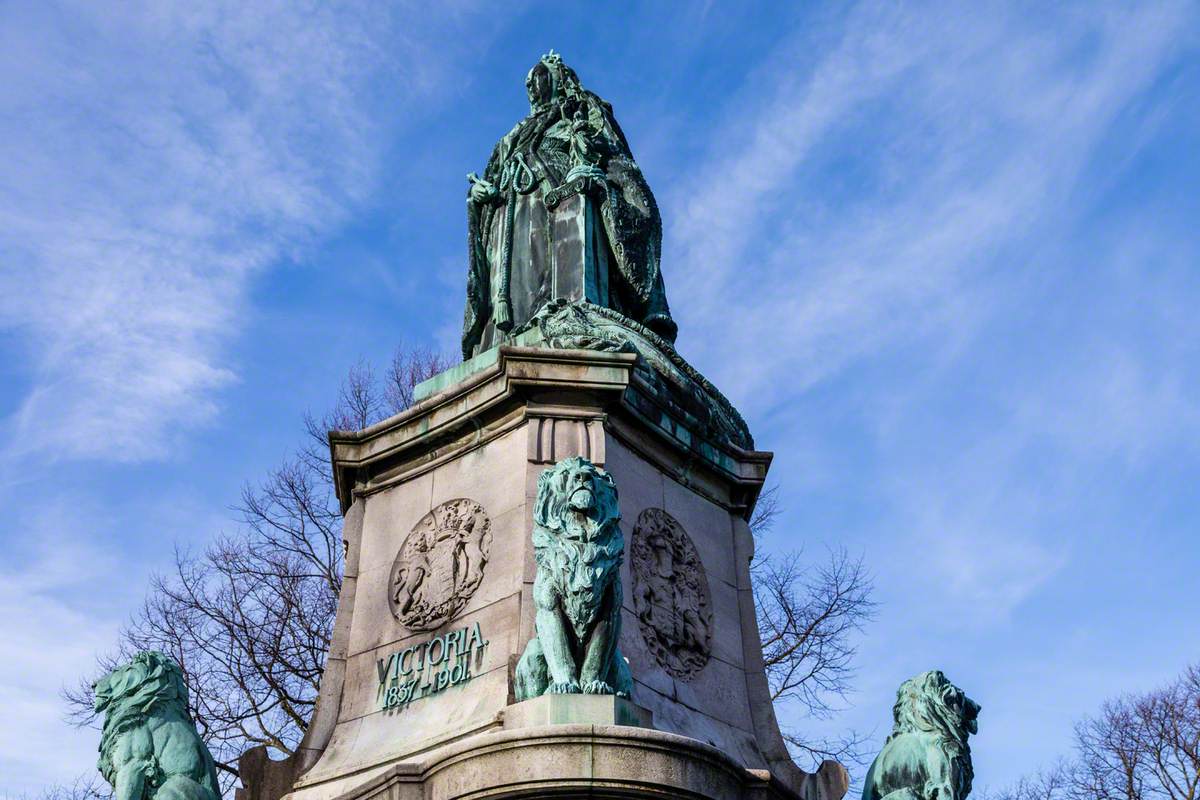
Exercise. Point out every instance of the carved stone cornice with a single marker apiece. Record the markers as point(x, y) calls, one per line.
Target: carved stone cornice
point(473, 411)
point(599, 390)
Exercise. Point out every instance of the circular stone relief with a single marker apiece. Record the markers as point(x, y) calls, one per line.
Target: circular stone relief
point(440, 564)
point(670, 594)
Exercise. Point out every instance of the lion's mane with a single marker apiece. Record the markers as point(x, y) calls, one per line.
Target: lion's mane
point(926, 704)
point(551, 509)
point(573, 546)
point(932, 709)
point(128, 694)
point(579, 547)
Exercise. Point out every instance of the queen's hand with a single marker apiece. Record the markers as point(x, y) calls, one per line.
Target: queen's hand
point(481, 191)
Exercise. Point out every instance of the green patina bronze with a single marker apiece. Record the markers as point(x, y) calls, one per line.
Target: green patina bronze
point(564, 243)
point(562, 211)
point(665, 373)
point(927, 756)
point(149, 749)
point(578, 546)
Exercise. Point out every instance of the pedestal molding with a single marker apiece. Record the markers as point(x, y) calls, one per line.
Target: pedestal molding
point(701, 762)
point(433, 425)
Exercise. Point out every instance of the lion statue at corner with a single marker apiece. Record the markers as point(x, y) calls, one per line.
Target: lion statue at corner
point(149, 749)
point(927, 756)
point(578, 546)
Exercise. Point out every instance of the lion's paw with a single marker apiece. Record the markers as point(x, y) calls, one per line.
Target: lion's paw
point(570, 687)
point(597, 687)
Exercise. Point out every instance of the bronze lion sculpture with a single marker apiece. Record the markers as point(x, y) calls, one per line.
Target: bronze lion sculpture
point(149, 749)
point(578, 546)
point(927, 756)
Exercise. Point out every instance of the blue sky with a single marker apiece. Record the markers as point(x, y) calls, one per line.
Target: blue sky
point(944, 257)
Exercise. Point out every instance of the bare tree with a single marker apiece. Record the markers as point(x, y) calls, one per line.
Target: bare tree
point(808, 616)
point(1110, 753)
point(249, 619)
point(1169, 723)
point(1048, 784)
point(409, 367)
point(85, 787)
point(1138, 747)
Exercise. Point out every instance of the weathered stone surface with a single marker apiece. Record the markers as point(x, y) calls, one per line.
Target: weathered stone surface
point(727, 644)
point(719, 690)
point(672, 715)
point(498, 625)
point(262, 777)
point(570, 760)
point(671, 598)
point(565, 709)
point(709, 528)
point(642, 663)
point(389, 516)
point(489, 439)
point(440, 564)
point(492, 474)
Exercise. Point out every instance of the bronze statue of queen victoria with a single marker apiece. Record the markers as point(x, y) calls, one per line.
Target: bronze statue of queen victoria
point(562, 211)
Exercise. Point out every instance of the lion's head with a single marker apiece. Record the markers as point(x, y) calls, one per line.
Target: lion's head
point(576, 538)
point(930, 703)
point(149, 683)
point(576, 498)
point(151, 677)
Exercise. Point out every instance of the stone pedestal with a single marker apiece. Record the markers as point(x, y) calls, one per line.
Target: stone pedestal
point(576, 709)
point(436, 607)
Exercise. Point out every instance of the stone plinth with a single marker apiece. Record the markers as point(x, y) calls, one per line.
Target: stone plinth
point(574, 761)
point(436, 606)
point(577, 709)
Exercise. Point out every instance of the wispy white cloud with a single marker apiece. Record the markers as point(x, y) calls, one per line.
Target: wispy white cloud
point(887, 184)
point(873, 188)
point(57, 618)
point(977, 526)
point(993, 464)
point(158, 157)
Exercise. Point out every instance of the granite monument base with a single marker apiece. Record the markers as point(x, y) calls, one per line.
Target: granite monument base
point(436, 608)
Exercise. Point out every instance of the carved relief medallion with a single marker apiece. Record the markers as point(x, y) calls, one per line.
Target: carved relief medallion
point(440, 564)
point(670, 594)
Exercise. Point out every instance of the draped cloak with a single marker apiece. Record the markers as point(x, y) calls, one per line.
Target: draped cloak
point(532, 160)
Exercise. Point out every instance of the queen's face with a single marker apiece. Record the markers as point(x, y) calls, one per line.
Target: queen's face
point(538, 85)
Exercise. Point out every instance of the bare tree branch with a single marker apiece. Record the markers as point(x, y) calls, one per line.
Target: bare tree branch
point(1050, 784)
point(808, 617)
point(1138, 747)
point(409, 367)
point(85, 787)
point(849, 749)
point(249, 618)
point(765, 511)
